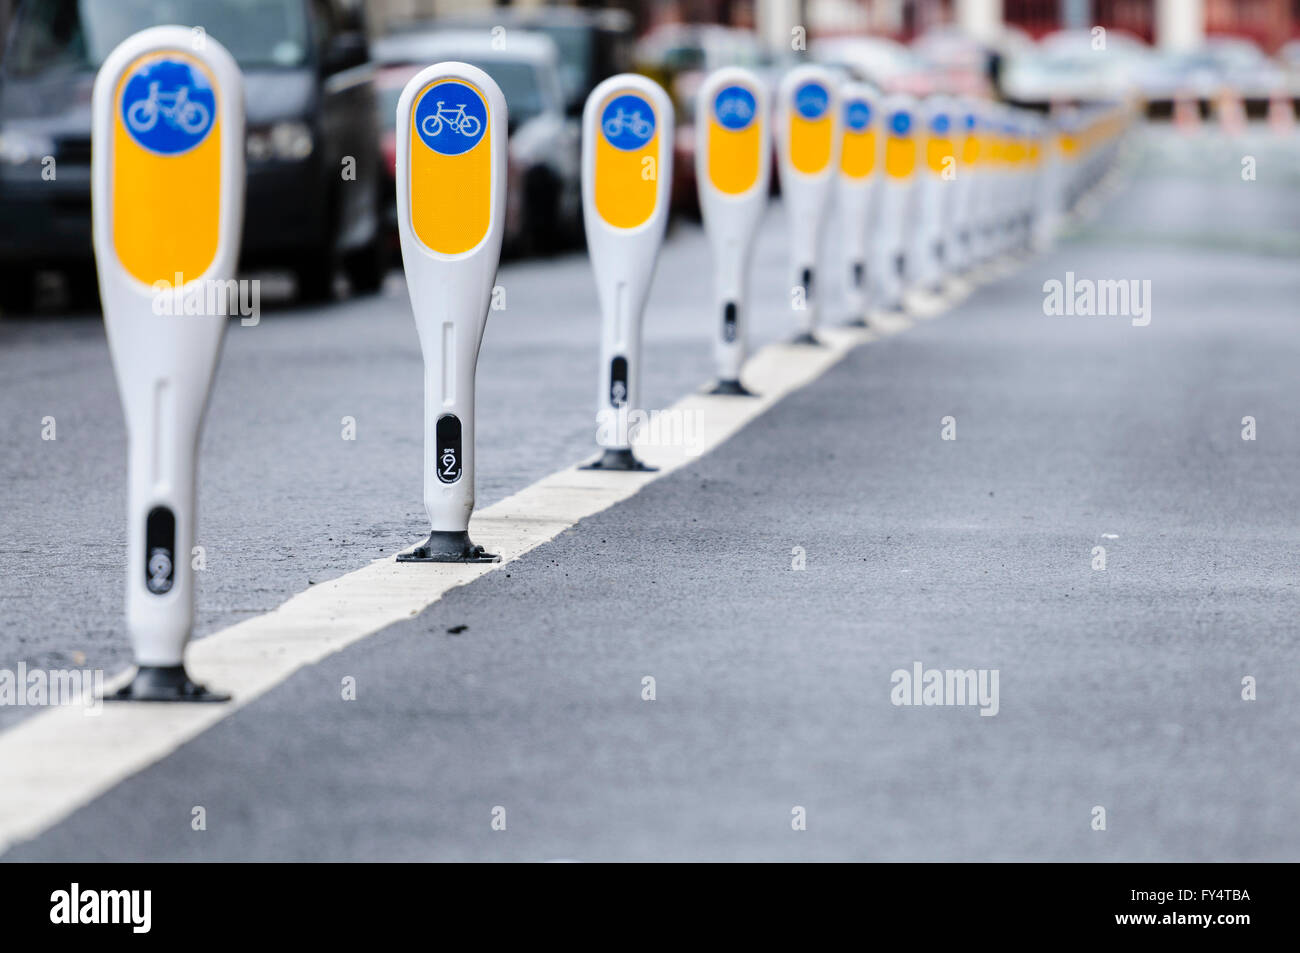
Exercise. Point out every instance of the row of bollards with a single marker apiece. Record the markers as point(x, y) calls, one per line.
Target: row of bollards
point(919, 192)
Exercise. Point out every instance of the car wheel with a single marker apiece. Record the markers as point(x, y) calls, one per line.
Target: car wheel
point(542, 215)
point(17, 291)
point(83, 289)
point(315, 275)
point(367, 267)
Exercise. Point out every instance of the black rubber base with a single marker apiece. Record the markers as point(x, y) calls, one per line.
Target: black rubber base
point(807, 338)
point(857, 323)
point(732, 388)
point(447, 546)
point(618, 460)
point(164, 683)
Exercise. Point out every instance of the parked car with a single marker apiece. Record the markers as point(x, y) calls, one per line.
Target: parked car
point(544, 181)
point(1068, 66)
point(594, 44)
point(961, 63)
point(679, 56)
point(309, 107)
point(885, 63)
point(1221, 64)
point(1289, 58)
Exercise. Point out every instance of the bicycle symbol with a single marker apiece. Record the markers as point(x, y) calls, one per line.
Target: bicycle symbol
point(628, 122)
point(735, 107)
point(857, 115)
point(456, 119)
point(175, 108)
point(636, 124)
point(811, 100)
point(168, 106)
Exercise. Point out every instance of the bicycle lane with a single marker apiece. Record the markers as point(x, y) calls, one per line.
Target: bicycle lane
point(774, 687)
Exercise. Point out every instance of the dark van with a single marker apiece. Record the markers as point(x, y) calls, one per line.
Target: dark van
point(312, 201)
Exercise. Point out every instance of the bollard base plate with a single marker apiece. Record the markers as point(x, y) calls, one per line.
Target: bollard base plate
point(732, 388)
point(618, 460)
point(808, 339)
point(448, 546)
point(164, 683)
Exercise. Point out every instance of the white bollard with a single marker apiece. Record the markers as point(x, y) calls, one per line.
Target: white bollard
point(966, 187)
point(167, 193)
point(987, 192)
point(627, 171)
point(451, 197)
point(855, 196)
point(807, 133)
point(733, 168)
point(895, 207)
point(930, 235)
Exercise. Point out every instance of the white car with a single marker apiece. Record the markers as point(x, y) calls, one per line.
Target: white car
point(1076, 66)
point(886, 64)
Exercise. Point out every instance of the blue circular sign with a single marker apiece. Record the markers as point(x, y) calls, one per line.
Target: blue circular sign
point(940, 124)
point(735, 107)
point(812, 100)
point(901, 123)
point(971, 120)
point(168, 106)
point(451, 117)
point(857, 114)
point(628, 122)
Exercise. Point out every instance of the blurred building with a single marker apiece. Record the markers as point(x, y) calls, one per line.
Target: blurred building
point(1178, 24)
point(1170, 23)
point(385, 12)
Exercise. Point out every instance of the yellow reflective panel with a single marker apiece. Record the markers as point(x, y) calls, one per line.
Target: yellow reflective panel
point(166, 168)
point(450, 166)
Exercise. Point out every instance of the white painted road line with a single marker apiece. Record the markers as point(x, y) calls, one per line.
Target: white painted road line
point(57, 761)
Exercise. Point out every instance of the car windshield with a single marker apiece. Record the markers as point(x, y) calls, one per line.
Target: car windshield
point(79, 34)
point(519, 82)
point(574, 45)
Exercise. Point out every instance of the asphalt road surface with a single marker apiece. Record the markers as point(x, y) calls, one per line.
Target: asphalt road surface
point(1118, 688)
